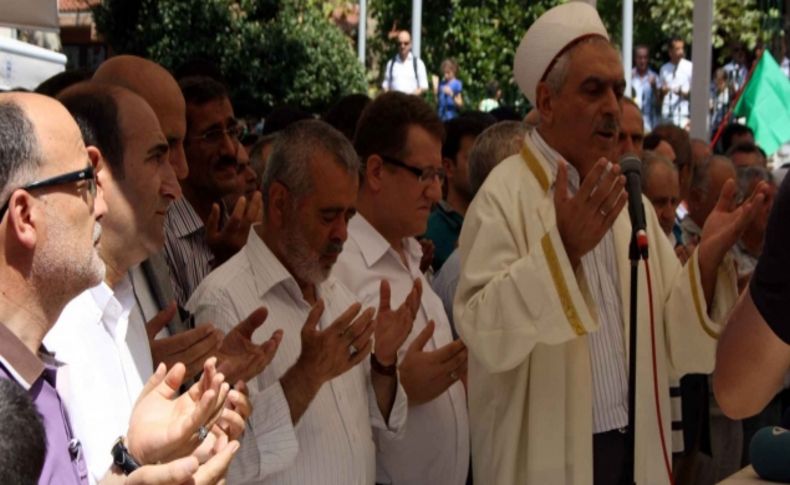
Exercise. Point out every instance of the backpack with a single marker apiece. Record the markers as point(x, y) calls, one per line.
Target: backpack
point(414, 62)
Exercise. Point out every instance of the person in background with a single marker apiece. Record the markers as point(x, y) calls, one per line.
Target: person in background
point(674, 85)
point(491, 101)
point(494, 144)
point(405, 72)
point(745, 154)
point(643, 81)
point(631, 135)
point(448, 91)
point(444, 223)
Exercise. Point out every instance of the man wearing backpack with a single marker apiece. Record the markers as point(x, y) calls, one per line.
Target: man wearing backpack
point(405, 72)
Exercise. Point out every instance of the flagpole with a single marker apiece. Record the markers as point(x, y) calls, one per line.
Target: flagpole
point(726, 119)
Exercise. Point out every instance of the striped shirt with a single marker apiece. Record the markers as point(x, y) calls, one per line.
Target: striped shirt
point(607, 345)
point(335, 436)
point(187, 253)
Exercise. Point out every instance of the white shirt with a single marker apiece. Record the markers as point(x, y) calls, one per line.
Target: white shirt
point(435, 447)
point(675, 108)
point(403, 78)
point(607, 346)
point(108, 361)
point(335, 438)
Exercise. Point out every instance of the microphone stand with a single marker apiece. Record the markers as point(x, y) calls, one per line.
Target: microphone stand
point(635, 253)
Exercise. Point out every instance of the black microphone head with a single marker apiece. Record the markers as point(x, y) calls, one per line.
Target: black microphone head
point(629, 163)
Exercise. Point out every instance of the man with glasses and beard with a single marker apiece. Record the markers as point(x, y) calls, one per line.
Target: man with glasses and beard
point(200, 235)
point(329, 375)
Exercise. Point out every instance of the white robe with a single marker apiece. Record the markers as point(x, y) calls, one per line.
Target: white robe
point(524, 315)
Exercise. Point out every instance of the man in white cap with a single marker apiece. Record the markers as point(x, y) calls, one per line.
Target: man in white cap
point(542, 303)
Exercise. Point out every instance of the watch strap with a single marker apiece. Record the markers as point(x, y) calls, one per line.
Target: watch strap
point(122, 459)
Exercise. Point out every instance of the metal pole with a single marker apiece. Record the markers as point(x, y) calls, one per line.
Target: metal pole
point(701, 54)
point(362, 30)
point(628, 42)
point(416, 27)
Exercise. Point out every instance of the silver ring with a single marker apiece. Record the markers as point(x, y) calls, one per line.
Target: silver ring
point(453, 376)
point(202, 433)
point(352, 350)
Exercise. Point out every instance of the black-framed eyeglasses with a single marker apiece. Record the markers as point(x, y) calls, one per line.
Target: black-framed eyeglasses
point(87, 174)
point(215, 136)
point(424, 175)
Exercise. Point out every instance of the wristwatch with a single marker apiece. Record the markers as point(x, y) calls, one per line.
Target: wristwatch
point(385, 370)
point(122, 459)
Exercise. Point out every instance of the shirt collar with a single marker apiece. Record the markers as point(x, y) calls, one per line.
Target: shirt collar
point(183, 218)
point(553, 158)
point(23, 365)
point(267, 270)
point(373, 245)
point(114, 305)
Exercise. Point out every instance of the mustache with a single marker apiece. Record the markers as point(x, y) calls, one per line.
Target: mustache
point(608, 124)
point(226, 162)
point(333, 248)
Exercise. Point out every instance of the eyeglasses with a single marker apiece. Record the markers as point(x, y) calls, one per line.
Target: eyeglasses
point(424, 175)
point(86, 174)
point(216, 135)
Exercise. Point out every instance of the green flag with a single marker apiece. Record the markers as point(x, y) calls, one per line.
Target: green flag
point(765, 102)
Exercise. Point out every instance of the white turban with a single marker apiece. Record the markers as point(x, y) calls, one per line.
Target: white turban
point(551, 35)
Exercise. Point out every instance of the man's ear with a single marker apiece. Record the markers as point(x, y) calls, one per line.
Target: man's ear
point(275, 209)
point(544, 102)
point(99, 165)
point(22, 218)
point(449, 167)
point(371, 179)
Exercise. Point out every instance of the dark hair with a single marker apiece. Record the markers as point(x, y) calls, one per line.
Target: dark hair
point(731, 131)
point(680, 141)
point(675, 38)
point(651, 141)
point(384, 123)
point(491, 88)
point(23, 442)
point(200, 90)
point(282, 116)
point(743, 147)
point(346, 112)
point(19, 148)
point(456, 129)
point(95, 108)
point(62, 80)
point(505, 113)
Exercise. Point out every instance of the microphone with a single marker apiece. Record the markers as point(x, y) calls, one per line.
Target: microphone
point(631, 167)
point(769, 452)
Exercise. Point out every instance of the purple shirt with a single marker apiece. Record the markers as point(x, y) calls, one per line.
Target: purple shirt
point(64, 463)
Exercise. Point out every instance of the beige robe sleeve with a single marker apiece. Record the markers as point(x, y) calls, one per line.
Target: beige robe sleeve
point(690, 328)
point(517, 287)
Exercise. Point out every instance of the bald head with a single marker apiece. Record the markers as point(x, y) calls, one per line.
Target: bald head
point(39, 136)
point(158, 87)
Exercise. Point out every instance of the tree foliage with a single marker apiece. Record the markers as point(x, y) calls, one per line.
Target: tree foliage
point(482, 35)
point(270, 52)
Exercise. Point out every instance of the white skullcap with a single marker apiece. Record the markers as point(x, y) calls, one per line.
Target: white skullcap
point(548, 37)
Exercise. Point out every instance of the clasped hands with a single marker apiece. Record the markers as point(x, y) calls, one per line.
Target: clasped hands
point(169, 435)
